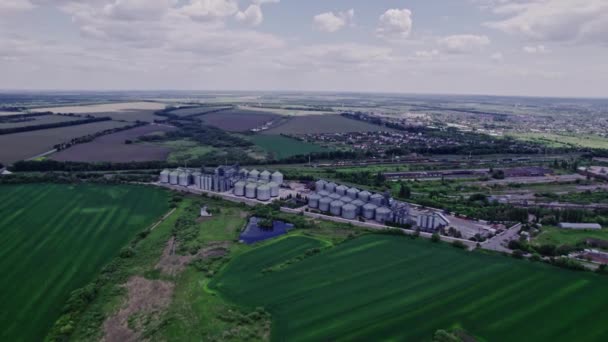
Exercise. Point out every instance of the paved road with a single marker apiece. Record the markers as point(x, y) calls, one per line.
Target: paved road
point(500, 242)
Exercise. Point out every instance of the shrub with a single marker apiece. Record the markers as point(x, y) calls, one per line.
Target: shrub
point(435, 237)
point(459, 244)
point(518, 254)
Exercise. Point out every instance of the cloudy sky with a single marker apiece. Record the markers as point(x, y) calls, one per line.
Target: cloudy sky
point(505, 47)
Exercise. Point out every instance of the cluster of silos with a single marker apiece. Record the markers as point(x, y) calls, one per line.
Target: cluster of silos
point(349, 203)
point(262, 186)
point(182, 177)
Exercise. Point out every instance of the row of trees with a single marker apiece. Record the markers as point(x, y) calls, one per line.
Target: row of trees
point(21, 129)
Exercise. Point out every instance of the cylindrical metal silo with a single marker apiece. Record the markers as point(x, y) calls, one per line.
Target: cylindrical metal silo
point(377, 199)
point(335, 196)
point(263, 193)
point(320, 185)
point(278, 178)
point(352, 193)
point(323, 193)
point(335, 207)
point(359, 204)
point(243, 173)
point(364, 196)
point(349, 211)
point(250, 190)
point(239, 188)
point(196, 179)
point(254, 175)
point(265, 176)
point(324, 204)
point(369, 211)
point(184, 179)
point(330, 187)
point(164, 176)
point(383, 214)
point(346, 199)
point(174, 178)
point(341, 190)
point(274, 189)
point(313, 201)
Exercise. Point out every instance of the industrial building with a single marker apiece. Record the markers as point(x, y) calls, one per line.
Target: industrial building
point(253, 184)
point(579, 226)
point(351, 203)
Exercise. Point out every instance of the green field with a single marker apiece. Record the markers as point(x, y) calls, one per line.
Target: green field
point(562, 140)
point(281, 147)
point(392, 288)
point(55, 238)
point(556, 236)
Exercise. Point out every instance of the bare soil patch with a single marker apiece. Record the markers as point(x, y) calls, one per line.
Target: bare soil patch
point(172, 264)
point(146, 301)
point(113, 148)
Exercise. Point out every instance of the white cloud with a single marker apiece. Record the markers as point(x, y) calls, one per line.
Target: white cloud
point(137, 9)
point(330, 22)
point(252, 15)
point(463, 43)
point(583, 21)
point(497, 57)
point(206, 10)
point(537, 49)
point(395, 23)
point(427, 53)
point(15, 5)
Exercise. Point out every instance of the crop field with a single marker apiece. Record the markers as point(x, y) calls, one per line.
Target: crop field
point(55, 239)
point(39, 120)
point(280, 147)
point(559, 140)
point(112, 148)
point(104, 108)
point(322, 124)
point(238, 120)
point(380, 287)
point(194, 111)
point(36, 142)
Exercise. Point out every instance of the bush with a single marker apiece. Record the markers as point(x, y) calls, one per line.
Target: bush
point(518, 254)
point(435, 237)
point(459, 244)
point(568, 263)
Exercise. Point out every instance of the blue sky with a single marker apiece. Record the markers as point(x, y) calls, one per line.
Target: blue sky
point(503, 47)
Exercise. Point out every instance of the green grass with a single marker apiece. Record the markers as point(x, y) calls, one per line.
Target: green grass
point(557, 236)
point(186, 150)
point(563, 140)
point(55, 238)
point(281, 147)
point(392, 288)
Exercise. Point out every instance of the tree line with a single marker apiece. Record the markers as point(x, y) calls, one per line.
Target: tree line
point(22, 129)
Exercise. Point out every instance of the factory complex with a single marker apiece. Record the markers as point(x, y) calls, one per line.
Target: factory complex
point(352, 204)
point(255, 185)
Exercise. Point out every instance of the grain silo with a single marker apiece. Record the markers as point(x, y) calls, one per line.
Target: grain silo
point(346, 199)
point(352, 193)
point(313, 201)
point(335, 207)
point(174, 177)
point(364, 196)
point(320, 185)
point(164, 176)
point(274, 189)
point(369, 211)
point(196, 178)
point(250, 190)
point(184, 178)
point(239, 188)
point(278, 178)
point(383, 214)
point(349, 211)
point(324, 204)
point(335, 196)
point(265, 176)
point(330, 187)
point(377, 199)
point(254, 175)
point(243, 173)
point(323, 193)
point(359, 204)
point(263, 193)
point(341, 190)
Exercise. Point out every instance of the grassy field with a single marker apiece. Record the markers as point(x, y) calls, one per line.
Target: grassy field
point(39, 120)
point(55, 238)
point(281, 147)
point(557, 236)
point(186, 150)
point(560, 140)
point(322, 124)
point(393, 288)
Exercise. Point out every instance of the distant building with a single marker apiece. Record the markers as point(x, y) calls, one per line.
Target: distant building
point(579, 226)
point(204, 212)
